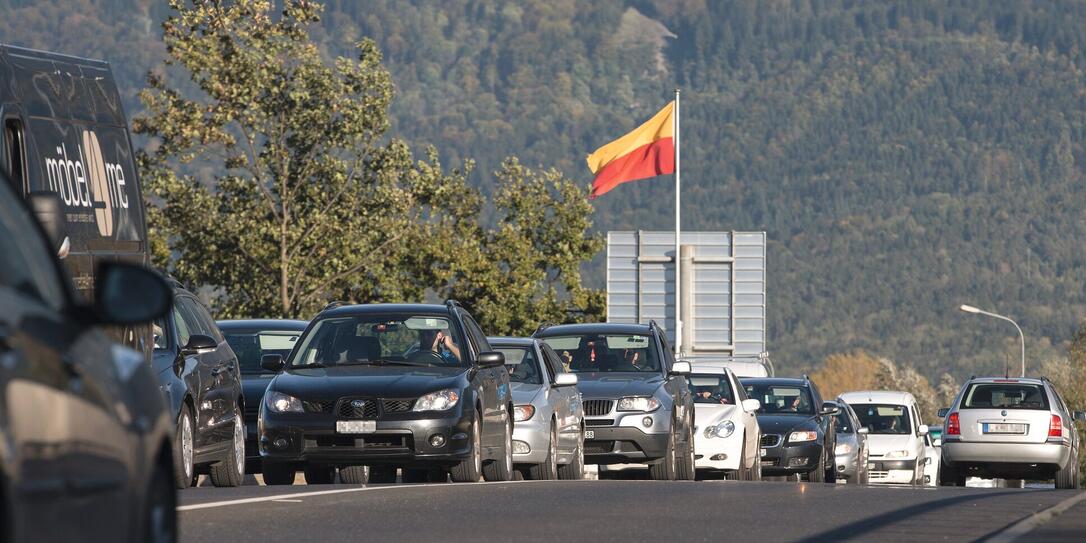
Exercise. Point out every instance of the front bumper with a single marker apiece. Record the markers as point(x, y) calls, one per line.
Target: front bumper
point(622, 437)
point(791, 459)
point(1054, 453)
point(847, 465)
point(727, 451)
point(536, 434)
point(892, 471)
point(399, 440)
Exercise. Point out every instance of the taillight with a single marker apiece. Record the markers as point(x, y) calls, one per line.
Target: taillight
point(1055, 428)
point(952, 426)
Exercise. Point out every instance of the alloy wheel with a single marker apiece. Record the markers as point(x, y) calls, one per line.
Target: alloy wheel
point(186, 446)
point(239, 441)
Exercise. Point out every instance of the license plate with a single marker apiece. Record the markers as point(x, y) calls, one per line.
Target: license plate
point(589, 434)
point(763, 452)
point(1003, 428)
point(356, 426)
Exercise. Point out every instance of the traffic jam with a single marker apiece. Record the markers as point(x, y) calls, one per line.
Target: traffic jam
point(119, 386)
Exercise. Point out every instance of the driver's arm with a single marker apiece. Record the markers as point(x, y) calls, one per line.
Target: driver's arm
point(452, 348)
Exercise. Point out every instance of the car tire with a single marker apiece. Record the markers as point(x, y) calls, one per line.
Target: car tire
point(1067, 478)
point(665, 468)
point(276, 473)
point(415, 476)
point(160, 519)
point(548, 470)
point(501, 469)
point(354, 475)
point(382, 475)
point(951, 476)
point(684, 469)
point(470, 468)
point(230, 471)
point(756, 469)
point(184, 467)
point(819, 473)
point(574, 470)
point(319, 475)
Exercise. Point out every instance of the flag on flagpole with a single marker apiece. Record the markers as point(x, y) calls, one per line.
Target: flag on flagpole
point(647, 151)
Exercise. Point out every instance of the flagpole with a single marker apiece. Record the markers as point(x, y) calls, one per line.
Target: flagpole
point(678, 311)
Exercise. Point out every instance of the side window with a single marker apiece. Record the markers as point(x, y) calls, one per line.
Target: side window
point(740, 390)
point(669, 353)
point(191, 316)
point(183, 332)
point(476, 333)
point(916, 418)
point(159, 328)
point(15, 154)
point(551, 360)
point(207, 323)
point(28, 264)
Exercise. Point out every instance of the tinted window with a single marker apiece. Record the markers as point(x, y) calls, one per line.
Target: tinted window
point(183, 332)
point(1005, 396)
point(607, 352)
point(554, 363)
point(844, 424)
point(522, 365)
point(28, 264)
point(884, 418)
point(381, 339)
point(195, 324)
point(250, 346)
point(785, 399)
point(206, 322)
point(476, 333)
point(712, 389)
point(159, 329)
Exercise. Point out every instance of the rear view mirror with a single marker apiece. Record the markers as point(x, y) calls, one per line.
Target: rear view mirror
point(751, 405)
point(49, 210)
point(129, 294)
point(565, 380)
point(922, 430)
point(199, 344)
point(272, 362)
point(681, 367)
point(863, 430)
point(490, 359)
point(942, 412)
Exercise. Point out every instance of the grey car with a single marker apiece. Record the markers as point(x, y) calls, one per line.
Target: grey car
point(1010, 428)
point(548, 431)
point(851, 450)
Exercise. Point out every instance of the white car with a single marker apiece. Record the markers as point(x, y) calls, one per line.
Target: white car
point(897, 451)
point(934, 454)
point(726, 432)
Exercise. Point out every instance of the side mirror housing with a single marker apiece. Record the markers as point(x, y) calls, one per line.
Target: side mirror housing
point(751, 405)
point(49, 210)
point(937, 442)
point(681, 367)
point(272, 362)
point(199, 344)
point(129, 294)
point(863, 430)
point(1078, 415)
point(491, 359)
point(942, 412)
point(830, 408)
point(565, 380)
point(922, 430)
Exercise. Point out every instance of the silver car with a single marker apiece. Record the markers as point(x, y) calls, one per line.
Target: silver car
point(548, 430)
point(1010, 428)
point(851, 451)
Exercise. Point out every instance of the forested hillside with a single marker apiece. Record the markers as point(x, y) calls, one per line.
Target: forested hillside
point(905, 157)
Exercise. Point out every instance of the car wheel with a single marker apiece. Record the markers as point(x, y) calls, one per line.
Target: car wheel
point(574, 470)
point(276, 473)
point(414, 476)
point(183, 468)
point(160, 524)
point(502, 468)
point(664, 469)
point(230, 471)
point(1066, 478)
point(354, 475)
point(469, 469)
point(950, 475)
point(831, 470)
point(319, 475)
point(756, 469)
point(684, 470)
point(382, 475)
point(819, 473)
point(549, 468)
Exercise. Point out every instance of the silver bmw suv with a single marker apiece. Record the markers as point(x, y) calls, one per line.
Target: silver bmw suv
point(1012, 428)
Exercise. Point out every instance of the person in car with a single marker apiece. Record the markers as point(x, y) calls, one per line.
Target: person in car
point(437, 341)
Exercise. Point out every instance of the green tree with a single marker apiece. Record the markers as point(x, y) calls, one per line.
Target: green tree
point(294, 196)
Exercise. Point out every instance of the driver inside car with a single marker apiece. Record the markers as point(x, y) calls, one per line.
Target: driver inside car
point(439, 343)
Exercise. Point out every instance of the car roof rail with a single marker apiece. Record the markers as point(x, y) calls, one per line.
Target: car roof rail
point(334, 304)
point(542, 326)
point(451, 303)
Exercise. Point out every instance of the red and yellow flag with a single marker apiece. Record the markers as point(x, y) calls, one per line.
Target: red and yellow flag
point(646, 152)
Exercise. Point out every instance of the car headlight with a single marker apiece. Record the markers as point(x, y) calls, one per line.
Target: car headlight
point(723, 429)
point(278, 402)
point(806, 435)
point(523, 412)
point(843, 448)
point(645, 404)
point(437, 401)
point(897, 454)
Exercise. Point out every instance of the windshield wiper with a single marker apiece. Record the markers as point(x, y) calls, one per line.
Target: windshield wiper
point(381, 362)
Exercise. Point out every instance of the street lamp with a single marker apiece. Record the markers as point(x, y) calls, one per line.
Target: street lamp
point(978, 311)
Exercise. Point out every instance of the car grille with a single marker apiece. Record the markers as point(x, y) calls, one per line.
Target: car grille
point(873, 475)
point(771, 440)
point(770, 462)
point(343, 409)
point(598, 447)
point(396, 406)
point(599, 422)
point(597, 408)
point(311, 406)
point(368, 410)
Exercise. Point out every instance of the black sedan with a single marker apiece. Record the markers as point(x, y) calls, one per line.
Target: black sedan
point(382, 387)
point(251, 340)
point(798, 436)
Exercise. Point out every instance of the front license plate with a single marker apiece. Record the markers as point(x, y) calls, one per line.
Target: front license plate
point(589, 434)
point(1003, 428)
point(356, 426)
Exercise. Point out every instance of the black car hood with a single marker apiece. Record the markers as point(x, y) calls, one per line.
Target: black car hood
point(369, 381)
point(617, 385)
point(253, 386)
point(782, 424)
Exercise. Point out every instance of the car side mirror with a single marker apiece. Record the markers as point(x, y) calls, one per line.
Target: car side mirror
point(199, 344)
point(681, 367)
point(750, 405)
point(129, 294)
point(272, 362)
point(922, 430)
point(863, 430)
point(937, 442)
point(491, 359)
point(830, 408)
point(49, 210)
point(942, 412)
point(1078, 415)
point(565, 380)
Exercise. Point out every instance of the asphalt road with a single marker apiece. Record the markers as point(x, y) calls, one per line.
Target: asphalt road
point(609, 511)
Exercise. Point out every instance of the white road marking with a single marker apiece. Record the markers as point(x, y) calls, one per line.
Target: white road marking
point(287, 501)
point(1035, 520)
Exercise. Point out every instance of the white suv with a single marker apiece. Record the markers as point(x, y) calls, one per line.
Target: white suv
point(895, 436)
point(1010, 428)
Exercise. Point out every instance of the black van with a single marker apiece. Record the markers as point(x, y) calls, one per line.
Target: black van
point(64, 131)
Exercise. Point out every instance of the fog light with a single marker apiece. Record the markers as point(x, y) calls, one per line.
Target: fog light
point(840, 468)
point(281, 443)
point(437, 441)
point(520, 447)
point(646, 422)
point(798, 461)
point(718, 457)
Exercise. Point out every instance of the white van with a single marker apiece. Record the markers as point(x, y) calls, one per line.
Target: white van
point(741, 366)
point(895, 435)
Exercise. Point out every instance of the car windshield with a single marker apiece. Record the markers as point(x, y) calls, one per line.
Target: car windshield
point(781, 399)
point(844, 425)
point(522, 364)
point(606, 352)
point(712, 389)
point(381, 339)
point(251, 345)
point(884, 418)
point(1005, 396)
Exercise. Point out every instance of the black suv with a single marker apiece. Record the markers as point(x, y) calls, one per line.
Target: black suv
point(637, 405)
point(372, 388)
point(798, 429)
point(199, 375)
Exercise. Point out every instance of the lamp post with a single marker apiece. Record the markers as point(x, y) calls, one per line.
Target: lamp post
point(978, 311)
